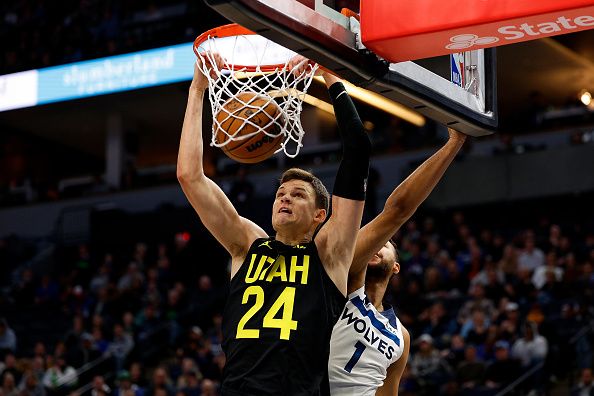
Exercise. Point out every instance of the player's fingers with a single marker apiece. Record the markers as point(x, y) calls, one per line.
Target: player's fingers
point(218, 60)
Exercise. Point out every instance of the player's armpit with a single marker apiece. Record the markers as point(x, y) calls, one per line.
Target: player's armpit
point(336, 239)
point(394, 374)
point(370, 240)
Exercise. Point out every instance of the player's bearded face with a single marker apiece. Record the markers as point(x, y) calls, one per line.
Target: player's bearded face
point(294, 205)
point(382, 263)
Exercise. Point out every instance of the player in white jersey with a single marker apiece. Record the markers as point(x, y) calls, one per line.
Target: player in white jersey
point(369, 346)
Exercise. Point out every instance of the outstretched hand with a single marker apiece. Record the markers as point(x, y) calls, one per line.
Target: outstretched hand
point(200, 80)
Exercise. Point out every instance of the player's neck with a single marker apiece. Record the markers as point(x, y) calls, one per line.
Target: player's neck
point(375, 289)
point(293, 239)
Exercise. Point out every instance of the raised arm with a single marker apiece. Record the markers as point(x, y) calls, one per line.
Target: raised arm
point(400, 206)
point(215, 210)
point(336, 239)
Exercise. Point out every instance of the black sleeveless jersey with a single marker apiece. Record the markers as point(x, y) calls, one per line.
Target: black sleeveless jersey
point(277, 323)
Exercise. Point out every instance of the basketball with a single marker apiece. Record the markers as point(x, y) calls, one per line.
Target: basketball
point(231, 119)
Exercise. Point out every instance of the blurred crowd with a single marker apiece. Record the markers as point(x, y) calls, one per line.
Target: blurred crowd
point(40, 33)
point(133, 324)
point(484, 304)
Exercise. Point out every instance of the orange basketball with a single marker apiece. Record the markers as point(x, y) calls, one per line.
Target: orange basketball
point(261, 112)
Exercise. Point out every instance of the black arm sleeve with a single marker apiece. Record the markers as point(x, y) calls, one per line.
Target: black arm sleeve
point(351, 179)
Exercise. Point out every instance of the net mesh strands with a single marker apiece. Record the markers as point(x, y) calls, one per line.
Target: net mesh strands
point(253, 64)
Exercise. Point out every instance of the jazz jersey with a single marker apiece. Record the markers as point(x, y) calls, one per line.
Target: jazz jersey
point(277, 323)
point(364, 344)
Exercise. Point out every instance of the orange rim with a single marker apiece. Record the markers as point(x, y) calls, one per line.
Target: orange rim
point(231, 30)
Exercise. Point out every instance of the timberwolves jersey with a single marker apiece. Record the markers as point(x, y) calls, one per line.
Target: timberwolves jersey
point(364, 344)
point(277, 323)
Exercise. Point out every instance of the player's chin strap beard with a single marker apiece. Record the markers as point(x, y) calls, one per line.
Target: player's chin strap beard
point(377, 272)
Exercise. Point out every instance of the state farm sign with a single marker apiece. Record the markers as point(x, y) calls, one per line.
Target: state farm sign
point(402, 30)
point(511, 33)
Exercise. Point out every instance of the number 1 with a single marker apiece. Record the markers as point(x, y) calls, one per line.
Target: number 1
point(359, 348)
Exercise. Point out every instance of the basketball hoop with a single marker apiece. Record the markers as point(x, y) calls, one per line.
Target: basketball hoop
point(256, 65)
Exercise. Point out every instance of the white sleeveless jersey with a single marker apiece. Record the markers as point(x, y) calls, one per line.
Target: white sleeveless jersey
point(364, 344)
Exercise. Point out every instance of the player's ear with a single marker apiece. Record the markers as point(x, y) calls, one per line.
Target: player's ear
point(320, 215)
point(396, 267)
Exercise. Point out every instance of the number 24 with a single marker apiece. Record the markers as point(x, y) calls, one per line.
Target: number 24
point(286, 323)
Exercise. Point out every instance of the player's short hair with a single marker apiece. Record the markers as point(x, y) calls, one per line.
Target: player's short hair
point(396, 256)
point(322, 195)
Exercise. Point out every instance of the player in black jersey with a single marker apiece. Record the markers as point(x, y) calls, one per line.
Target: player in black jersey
point(286, 291)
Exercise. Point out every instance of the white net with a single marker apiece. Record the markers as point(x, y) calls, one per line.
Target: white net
point(254, 92)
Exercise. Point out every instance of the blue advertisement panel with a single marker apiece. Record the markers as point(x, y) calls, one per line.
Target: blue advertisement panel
point(117, 73)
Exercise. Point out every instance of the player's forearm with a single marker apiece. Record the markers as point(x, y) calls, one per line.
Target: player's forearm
point(407, 197)
point(190, 155)
point(351, 179)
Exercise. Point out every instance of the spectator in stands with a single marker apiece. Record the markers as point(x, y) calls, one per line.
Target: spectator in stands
point(24, 290)
point(532, 348)
point(38, 368)
point(208, 388)
point(532, 351)
point(509, 322)
point(478, 301)
point(60, 375)
point(89, 352)
point(471, 370)
point(509, 262)
point(540, 275)
point(190, 384)
point(10, 367)
point(475, 329)
point(503, 370)
point(132, 279)
point(147, 322)
point(137, 376)
point(9, 387)
point(428, 366)
point(530, 257)
point(47, 292)
point(99, 341)
point(455, 353)
point(586, 385)
point(100, 388)
point(102, 278)
point(8, 340)
point(523, 290)
point(436, 323)
point(126, 385)
point(161, 384)
point(31, 385)
point(120, 347)
point(492, 280)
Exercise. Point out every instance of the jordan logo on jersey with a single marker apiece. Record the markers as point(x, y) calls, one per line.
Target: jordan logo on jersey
point(267, 244)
